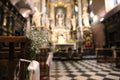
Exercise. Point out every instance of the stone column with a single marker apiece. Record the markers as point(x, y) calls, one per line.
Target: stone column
point(52, 16)
point(43, 12)
point(28, 27)
point(79, 14)
point(68, 21)
point(38, 4)
point(85, 15)
point(68, 16)
point(80, 26)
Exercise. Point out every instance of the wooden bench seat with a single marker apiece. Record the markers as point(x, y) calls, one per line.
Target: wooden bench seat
point(10, 55)
point(105, 55)
point(118, 58)
point(4, 52)
point(13, 38)
point(5, 55)
point(76, 56)
point(7, 49)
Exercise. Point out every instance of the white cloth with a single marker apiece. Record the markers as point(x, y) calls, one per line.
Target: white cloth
point(17, 71)
point(34, 70)
point(49, 59)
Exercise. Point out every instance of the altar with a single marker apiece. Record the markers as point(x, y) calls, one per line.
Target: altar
point(61, 30)
point(64, 46)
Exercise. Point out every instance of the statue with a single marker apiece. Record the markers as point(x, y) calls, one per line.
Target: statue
point(47, 23)
point(36, 18)
point(73, 21)
point(61, 38)
point(60, 18)
point(85, 17)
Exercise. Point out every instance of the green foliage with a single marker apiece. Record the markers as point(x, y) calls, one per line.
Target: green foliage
point(30, 52)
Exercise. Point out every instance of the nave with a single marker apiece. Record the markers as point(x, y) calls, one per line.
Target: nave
point(83, 70)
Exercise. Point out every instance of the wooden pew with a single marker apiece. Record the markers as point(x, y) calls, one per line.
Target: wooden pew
point(10, 55)
point(105, 55)
point(4, 52)
point(118, 58)
point(42, 58)
point(76, 55)
point(63, 55)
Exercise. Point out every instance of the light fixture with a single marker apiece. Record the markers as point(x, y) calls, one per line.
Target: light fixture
point(76, 8)
point(91, 14)
point(101, 19)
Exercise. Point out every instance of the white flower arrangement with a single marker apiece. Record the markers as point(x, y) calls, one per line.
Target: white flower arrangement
point(40, 38)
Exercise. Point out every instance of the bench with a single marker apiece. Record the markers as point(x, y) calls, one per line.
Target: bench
point(105, 55)
point(10, 55)
point(118, 58)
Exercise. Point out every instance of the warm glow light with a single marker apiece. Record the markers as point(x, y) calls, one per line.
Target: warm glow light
point(60, 3)
point(101, 19)
point(35, 9)
point(76, 8)
point(61, 40)
point(26, 13)
point(95, 18)
point(55, 5)
point(90, 2)
point(91, 14)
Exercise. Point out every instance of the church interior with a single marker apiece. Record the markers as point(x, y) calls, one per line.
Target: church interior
point(59, 40)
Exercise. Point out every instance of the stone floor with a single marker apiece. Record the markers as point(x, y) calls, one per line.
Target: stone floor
point(83, 70)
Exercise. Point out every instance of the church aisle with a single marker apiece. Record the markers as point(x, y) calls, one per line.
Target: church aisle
point(83, 70)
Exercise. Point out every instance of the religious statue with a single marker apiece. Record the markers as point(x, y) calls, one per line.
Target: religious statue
point(60, 18)
point(47, 23)
point(85, 17)
point(61, 38)
point(36, 18)
point(73, 21)
point(88, 38)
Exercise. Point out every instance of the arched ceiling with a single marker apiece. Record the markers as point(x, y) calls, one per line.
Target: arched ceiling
point(25, 7)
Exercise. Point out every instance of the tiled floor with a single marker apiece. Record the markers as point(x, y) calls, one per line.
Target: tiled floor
point(83, 70)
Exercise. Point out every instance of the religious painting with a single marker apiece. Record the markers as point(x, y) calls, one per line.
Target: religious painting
point(60, 14)
point(88, 37)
